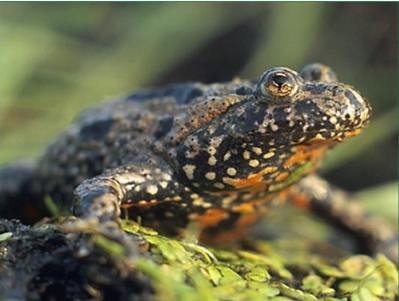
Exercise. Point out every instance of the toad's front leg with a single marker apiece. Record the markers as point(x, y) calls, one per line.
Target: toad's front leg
point(101, 197)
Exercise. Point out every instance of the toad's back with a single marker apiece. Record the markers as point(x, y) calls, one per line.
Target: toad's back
point(119, 132)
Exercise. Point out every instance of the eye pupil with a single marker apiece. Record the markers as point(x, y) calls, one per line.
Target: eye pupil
point(279, 85)
point(279, 79)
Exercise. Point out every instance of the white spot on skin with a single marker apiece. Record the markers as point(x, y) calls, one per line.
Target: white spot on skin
point(163, 184)
point(333, 120)
point(212, 161)
point(274, 127)
point(215, 141)
point(246, 155)
point(319, 136)
point(268, 155)
point(253, 163)
point(189, 171)
point(257, 150)
point(152, 189)
point(129, 187)
point(211, 150)
point(231, 171)
point(226, 156)
point(228, 200)
point(189, 155)
point(198, 202)
point(129, 177)
point(166, 177)
point(219, 185)
point(210, 175)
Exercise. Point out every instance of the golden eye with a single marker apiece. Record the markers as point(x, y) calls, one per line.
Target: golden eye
point(278, 83)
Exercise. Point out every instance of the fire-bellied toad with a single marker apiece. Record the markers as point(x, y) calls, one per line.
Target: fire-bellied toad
point(218, 154)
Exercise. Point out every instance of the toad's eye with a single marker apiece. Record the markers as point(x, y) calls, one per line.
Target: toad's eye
point(278, 83)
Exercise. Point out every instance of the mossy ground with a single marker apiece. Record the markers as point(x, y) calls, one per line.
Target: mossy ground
point(188, 271)
point(92, 263)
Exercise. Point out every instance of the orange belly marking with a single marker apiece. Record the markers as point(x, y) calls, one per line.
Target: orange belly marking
point(211, 217)
point(246, 220)
point(305, 154)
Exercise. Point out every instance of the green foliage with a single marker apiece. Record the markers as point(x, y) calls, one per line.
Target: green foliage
point(187, 271)
point(5, 236)
point(51, 206)
point(387, 192)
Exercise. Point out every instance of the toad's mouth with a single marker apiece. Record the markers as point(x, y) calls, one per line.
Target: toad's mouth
point(315, 137)
point(332, 137)
point(309, 138)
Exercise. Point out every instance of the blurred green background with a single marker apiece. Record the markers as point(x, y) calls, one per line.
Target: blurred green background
point(59, 58)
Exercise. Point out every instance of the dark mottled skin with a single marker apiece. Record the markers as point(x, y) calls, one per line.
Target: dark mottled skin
point(218, 154)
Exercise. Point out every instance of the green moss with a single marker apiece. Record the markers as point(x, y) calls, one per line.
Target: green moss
point(188, 271)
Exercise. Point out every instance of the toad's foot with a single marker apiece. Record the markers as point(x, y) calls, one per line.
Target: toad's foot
point(332, 204)
point(136, 186)
point(98, 198)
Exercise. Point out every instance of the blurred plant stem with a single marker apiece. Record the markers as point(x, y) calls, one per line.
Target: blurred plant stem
point(291, 26)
